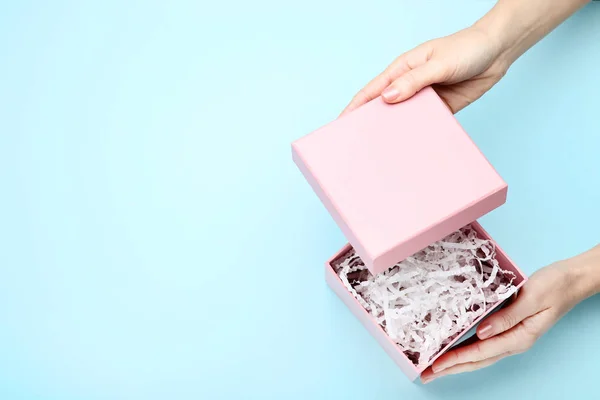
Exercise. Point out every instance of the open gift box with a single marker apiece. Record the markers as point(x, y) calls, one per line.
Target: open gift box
point(398, 179)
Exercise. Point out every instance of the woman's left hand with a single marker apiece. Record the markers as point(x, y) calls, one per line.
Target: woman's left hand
point(545, 298)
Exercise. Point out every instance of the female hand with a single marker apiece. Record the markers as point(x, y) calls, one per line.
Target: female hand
point(461, 68)
point(546, 297)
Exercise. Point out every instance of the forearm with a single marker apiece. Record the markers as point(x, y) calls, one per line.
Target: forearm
point(513, 27)
point(517, 25)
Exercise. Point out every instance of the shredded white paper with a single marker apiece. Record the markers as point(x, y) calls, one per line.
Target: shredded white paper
point(430, 298)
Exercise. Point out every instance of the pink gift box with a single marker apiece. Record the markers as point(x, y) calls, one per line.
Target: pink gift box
point(391, 348)
point(397, 178)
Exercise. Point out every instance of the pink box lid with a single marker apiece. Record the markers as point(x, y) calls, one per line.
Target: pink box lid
point(397, 178)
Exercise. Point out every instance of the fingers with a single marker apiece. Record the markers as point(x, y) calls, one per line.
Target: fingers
point(508, 342)
point(370, 92)
point(455, 97)
point(507, 318)
point(401, 65)
point(429, 375)
point(412, 81)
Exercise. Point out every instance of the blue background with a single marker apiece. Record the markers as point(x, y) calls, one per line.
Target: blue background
point(156, 240)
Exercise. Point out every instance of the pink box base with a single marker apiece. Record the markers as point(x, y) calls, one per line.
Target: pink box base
point(390, 347)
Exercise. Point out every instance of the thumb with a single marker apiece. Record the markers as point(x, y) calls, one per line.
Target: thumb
point(412, 81)
point(506, 318)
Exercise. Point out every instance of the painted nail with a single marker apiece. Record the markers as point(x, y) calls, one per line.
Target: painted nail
point(485, 331)
point(390, 94)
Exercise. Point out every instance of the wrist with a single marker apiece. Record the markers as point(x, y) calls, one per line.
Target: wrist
point(505, 25)
point(517, 25)
point(584, 274)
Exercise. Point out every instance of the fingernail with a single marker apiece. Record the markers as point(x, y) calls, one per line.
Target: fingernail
point(485, 331)
point(425, 381)
point(438, 368)
point(390, 94)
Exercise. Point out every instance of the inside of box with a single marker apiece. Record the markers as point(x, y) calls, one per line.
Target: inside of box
point(423, 332)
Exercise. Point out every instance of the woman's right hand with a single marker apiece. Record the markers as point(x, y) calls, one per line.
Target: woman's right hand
point(461, 67)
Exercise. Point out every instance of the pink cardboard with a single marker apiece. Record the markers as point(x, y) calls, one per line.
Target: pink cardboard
point(397, 178)
point(390, 347)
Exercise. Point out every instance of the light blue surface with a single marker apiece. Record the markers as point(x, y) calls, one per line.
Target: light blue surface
point(157, 241)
